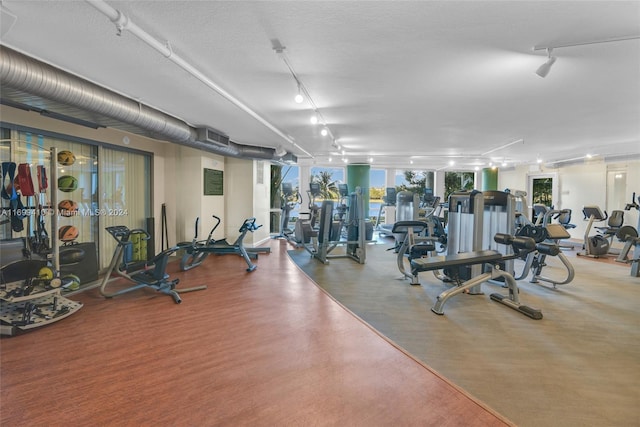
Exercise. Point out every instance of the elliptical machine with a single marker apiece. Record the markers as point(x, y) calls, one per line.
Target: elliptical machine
point(144, 273)
point(288, 202)
point(305, 229)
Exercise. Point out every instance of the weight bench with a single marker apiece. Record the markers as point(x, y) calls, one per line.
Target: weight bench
point(493, 258)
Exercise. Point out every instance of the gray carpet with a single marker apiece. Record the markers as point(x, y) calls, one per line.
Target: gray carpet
point(578, 366)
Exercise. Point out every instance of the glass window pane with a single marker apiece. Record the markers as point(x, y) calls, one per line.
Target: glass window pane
point(125, 193)
point(328, 178)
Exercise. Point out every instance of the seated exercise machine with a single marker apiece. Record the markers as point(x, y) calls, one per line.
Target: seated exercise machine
point(547, 239)
point(539, 212)
point(492, 259)
point(144, 273)
point(197, 251)
point(598, 244)
point(413, 246)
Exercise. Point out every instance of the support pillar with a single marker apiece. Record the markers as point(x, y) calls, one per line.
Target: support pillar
point(358, 175)
point(489, 179)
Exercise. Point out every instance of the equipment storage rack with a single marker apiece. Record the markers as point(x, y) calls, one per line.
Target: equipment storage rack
point(44, 303)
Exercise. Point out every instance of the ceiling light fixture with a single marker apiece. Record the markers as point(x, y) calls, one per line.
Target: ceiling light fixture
point(299, 98)
point(324, 131)
point(122, 22)
point(303, 93)
point(544, 69)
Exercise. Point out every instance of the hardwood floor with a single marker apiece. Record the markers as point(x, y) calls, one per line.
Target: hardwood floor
point(261, 348)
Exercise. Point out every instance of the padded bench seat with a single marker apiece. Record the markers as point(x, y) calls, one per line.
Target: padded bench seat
point(465, 258)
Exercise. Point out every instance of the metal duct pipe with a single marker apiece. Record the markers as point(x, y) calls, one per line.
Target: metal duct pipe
point(23, 73)
point(26, 74)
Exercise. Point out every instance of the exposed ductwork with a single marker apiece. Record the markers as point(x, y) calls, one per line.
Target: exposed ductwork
point(22, 73)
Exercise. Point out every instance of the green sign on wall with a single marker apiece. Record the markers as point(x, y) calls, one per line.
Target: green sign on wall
point(213, 182)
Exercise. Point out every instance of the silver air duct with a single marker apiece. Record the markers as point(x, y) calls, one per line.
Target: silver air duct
point(22, 73)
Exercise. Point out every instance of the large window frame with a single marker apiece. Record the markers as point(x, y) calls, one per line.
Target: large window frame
point(99, 212)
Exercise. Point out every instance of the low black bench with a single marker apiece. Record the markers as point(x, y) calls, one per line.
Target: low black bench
point(456, 260)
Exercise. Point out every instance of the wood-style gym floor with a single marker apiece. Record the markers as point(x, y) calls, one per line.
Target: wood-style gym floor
point(262, 348)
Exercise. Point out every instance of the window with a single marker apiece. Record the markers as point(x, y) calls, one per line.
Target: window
point(125, 183)
point(98, 186)
point(411, 180)
point(458, 181)
point(328, 178)
point(377, 186)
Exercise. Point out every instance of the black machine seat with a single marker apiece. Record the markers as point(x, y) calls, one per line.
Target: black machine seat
point(616, 219)
point(564, 219)
point(403, 227)
point(157, 274)
point(466, 258)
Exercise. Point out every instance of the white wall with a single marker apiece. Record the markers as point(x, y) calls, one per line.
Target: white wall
point(248, 195)
point(578, 185)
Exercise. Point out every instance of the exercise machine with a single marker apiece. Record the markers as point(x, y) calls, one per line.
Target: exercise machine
point(547, 239)
point(197, 251)
point(304, 229)
point(330, 235)
point(407, 209)
point(596, 245)
point(521, 207)
point(288, 202)
point(388, 202)
point(629, 236)
point(413, 246)
point(491, 258)
point(498, 216)
point(144, 273)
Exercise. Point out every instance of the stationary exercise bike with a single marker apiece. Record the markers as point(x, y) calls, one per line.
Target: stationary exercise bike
point(197, 251)
point(596, 245)
point(144, 273)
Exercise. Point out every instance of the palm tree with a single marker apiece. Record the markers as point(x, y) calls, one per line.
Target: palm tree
point(328, 187)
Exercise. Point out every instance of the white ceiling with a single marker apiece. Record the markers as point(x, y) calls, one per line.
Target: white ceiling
point(432, 81)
